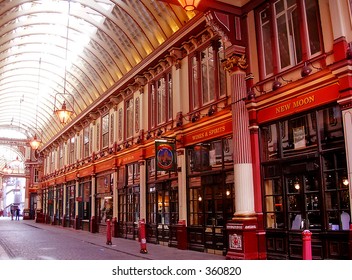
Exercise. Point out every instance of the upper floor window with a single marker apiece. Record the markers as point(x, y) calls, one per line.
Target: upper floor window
point(61, 156)
point(71, 148)
point(161, 100)
point(105, 130)
point(129, 118)
point(208, 82)
point(86, 141)
point(289, 34)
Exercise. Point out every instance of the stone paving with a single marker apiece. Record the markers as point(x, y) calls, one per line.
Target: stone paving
point(28, 240)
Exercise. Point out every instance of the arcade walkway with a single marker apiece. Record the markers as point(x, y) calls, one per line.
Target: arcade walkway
point(27, 240)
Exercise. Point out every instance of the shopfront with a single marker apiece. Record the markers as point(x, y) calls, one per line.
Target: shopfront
point(129, 201)
point(70, 203)
point(210, 194)
point(84, 203)
point(162, 205)
point(59, 205)
point(104, 200)
point(305, 183)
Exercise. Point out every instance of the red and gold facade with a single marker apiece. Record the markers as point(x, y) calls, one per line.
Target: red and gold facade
point(249, 166)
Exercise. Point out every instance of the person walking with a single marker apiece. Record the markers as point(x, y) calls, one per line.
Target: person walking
point(17, 214)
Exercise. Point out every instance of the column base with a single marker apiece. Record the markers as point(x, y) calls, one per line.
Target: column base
point(76, 224)
point(93, 225)
point(114, 227)
point(246, 238)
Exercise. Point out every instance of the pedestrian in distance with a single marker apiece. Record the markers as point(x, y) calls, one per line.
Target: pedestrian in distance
point(18, 214)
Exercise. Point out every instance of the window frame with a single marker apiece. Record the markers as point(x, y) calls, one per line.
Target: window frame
point(160, 99)
point(217, 89)
point(105, 131)
point(304, 34)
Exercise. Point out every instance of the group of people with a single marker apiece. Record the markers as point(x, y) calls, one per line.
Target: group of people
point(17, 214)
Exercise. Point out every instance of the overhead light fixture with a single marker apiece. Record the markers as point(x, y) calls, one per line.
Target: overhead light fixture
point(67, 109)
point(35, 142)
point(189, 5)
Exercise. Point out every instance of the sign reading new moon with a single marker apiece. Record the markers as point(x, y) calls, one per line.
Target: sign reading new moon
point(165, 155)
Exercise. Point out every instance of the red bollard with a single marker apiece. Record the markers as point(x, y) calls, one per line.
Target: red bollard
point(142, 237)
point(108, 232)
point(307, 245)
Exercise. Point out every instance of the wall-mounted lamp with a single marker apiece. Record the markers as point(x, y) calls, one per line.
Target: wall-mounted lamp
point(349, 51)
point(276, 84)
point(189, 5)
point(306, 70)
point(159, 132)
point(195, 117)
point(211, 110)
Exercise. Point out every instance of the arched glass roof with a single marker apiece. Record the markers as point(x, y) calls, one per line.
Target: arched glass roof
point(105, 39)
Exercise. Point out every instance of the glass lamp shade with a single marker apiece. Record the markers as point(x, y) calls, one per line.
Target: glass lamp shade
point(63, 114)
point(35, 143)
point(189, 5)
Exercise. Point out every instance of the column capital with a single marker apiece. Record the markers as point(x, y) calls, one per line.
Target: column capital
point(235, 63)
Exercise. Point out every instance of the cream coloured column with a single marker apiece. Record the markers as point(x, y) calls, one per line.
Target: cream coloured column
point(242, 231)
point(243, 169)
point(182, 190)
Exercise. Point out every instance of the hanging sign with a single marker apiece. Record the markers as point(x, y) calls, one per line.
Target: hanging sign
point(165, 155)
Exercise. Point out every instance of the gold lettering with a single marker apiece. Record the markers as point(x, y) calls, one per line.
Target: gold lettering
point(283, 108)
point(303, 101)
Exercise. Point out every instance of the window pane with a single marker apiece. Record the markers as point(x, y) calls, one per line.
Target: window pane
point(269, 141)
point(283, 42)
point(267, 45)
point(195, 95)
point(312, 14)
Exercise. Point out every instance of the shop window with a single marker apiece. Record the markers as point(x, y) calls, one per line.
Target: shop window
point(213, 155)
point(289, 34)
point(269, 138)
point(133, 173)
point(330, 127)
point(104, 200)
point(309, 186)
point(299, 134)
point(208, 78)
point(273, 197)
point(196, 214)
point(336, 190)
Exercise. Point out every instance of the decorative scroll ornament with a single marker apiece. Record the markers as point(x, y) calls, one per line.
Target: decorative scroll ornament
point(235, 62)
